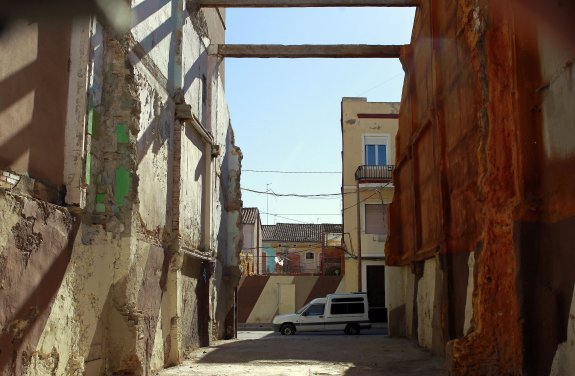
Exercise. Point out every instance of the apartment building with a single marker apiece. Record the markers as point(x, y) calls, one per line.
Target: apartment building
point(368, 157)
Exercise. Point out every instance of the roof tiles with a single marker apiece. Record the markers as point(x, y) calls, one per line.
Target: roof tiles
point(295, 232)
point(250, 215)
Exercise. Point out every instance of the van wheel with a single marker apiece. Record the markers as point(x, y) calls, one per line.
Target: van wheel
point(287, 330)
point(352, 329)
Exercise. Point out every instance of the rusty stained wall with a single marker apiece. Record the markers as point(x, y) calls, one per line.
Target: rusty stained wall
point(484, 170)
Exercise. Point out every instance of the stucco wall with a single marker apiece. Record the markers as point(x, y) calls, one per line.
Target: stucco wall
point(399, 301)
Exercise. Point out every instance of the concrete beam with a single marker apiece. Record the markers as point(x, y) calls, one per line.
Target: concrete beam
point(305, 51)
point(305, 3)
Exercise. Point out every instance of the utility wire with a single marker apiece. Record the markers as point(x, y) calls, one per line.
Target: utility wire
point(354, 205)
point(289, 219)
point(318, 195)
point(380, 84)
point(305, 214)
point(270, 192)
point(291, 172)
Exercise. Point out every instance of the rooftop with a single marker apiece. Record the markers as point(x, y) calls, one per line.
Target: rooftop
point(250, 215)
point(296, 232)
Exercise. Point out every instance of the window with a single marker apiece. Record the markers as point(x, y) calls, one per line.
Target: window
point(347, 300)
point(315, 310)
point(375, 153)
point(309, 256)
point(376, 219)
point(346, 308)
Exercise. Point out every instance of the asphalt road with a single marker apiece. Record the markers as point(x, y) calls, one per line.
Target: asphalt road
point(259, 353)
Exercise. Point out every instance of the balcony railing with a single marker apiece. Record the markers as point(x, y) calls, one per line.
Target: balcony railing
point(375, 173)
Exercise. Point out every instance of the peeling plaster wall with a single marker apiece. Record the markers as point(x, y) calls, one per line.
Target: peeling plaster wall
point(112, 290)
point(36, 244)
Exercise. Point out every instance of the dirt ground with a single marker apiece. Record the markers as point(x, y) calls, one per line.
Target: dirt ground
point(266, 353)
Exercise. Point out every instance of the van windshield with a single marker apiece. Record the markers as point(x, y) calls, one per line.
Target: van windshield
point(300, 311)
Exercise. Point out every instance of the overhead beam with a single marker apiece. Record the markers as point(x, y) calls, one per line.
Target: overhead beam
point(305, 51)
point(304, 3)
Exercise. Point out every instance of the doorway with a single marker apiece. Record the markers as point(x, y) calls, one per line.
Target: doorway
point(375, 286)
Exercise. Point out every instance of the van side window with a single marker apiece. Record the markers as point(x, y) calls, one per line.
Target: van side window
point(315, 310)
point(346, 308)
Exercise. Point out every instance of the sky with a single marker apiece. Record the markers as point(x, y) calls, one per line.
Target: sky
point(286, 112)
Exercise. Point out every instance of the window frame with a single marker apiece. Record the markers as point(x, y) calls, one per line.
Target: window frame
point(375, 139)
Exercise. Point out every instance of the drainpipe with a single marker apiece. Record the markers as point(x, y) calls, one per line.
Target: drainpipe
point(258, 225)
point(207, 188)
point(359, 279)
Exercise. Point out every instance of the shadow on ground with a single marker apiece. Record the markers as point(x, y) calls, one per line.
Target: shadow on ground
point(362, 355)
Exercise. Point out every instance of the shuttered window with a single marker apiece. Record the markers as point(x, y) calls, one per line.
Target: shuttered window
point(376, 219)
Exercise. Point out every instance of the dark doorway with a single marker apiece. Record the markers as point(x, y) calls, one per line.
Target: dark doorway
point(375, 277)
point(203, 294)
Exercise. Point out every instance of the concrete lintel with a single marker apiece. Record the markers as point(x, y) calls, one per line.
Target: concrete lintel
point(305, 3)
point(306, 51)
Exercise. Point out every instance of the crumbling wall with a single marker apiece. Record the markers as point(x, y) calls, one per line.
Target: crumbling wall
point(227, 232)
point(36, 241)
point(139, 285)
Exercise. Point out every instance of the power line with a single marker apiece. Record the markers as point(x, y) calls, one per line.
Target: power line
point(359, 202)
point(289, 219)
point(307, 214)
point(270, 192)
point(318, 195)
point(380, 84)
point(290, 172)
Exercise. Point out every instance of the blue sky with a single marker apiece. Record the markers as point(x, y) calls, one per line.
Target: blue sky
point(286, 112)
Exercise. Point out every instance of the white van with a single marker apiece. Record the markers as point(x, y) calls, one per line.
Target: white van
point(347, 312)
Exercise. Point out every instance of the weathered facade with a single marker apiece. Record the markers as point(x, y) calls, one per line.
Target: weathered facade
point(481, 239)
point(120, 225)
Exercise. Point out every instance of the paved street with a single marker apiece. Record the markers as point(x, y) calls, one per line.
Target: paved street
point(266, 353)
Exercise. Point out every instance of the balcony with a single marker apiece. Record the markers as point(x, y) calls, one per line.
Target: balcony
point(374, 173)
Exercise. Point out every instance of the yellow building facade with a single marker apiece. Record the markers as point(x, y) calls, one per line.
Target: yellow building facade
point(368, 130)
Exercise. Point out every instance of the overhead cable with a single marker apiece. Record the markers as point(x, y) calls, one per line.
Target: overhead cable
point(291, 172)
